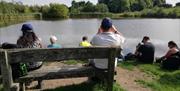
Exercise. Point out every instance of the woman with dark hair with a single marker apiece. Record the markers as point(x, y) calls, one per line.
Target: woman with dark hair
point(29, 40)
point(172, 59)
point(173, 49)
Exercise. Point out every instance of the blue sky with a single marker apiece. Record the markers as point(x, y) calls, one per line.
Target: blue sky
point(68, 2)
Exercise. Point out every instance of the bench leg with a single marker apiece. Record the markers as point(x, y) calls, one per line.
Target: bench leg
point(39, 86)
point(22, 87)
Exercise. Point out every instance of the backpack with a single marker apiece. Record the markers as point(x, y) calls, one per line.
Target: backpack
point(18, 69)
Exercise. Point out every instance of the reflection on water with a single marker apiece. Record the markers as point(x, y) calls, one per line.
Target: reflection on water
point(70, 31)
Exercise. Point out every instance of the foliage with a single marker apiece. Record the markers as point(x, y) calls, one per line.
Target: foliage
point(82, 6)
point(161, 12)
point(92, 15)
point(58, 11)
point(166, 5)
point(89, 7)
point(118, 6)
point(101, 8)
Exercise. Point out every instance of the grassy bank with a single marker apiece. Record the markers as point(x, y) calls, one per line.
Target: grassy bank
point(8, 19)
point(163, 80)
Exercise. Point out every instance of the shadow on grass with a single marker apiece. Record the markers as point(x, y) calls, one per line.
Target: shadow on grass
point(86, 87)
point(79, 87)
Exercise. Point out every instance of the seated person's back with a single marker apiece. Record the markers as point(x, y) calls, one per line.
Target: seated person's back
point(146, 51)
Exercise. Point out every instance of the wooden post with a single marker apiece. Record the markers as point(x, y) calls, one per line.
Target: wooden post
point(111, 61)
point(6, 73)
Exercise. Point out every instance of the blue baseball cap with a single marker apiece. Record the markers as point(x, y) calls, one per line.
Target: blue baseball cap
point(106, 23)
point(27, 28)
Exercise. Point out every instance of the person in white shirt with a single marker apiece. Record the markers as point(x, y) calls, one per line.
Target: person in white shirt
point(107, 36)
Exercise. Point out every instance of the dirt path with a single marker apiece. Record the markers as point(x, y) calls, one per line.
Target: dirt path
point(124, 77)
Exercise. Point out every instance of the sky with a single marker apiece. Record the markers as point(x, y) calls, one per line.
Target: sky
point(67, 2)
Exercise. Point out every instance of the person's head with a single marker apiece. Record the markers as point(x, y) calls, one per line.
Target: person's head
point(53, 39)
point(84, 38)
point(106, 24)
point(172, 44)
point(26, 28)
point(145, 39)
point(28, 36)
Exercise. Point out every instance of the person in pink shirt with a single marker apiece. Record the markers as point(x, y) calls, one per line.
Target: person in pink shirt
point(173, 49)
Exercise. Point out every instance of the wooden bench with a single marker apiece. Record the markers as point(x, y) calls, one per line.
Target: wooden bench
point(51, 55)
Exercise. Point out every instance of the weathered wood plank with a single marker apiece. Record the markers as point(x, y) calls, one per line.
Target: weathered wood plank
point(111, 64)
point(6, 72)
point(57, 54)
point(58, 74)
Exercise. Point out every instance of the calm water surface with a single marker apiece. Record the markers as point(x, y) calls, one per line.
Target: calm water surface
point(69, 32)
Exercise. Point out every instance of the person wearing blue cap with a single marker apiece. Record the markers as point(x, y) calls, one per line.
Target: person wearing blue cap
point(107, 36)
point(29, 40)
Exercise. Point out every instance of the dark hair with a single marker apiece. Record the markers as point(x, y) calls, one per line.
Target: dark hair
point(106, 24)
point(27, 39)
point(85, 38)
point(145, 38)
point(172, 43)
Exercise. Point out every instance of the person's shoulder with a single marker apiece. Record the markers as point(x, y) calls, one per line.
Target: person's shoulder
point(49, 46)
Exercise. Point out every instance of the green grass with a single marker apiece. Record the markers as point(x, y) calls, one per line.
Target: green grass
point(1, 87)
point(74, 62)
point(87, 87)
point(163, 80)
point(130, 65)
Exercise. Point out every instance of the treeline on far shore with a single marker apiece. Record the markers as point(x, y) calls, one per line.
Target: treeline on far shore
point(104, 8)
point(157, 12)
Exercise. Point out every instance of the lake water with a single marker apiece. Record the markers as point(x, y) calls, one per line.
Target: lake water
point(69, 32)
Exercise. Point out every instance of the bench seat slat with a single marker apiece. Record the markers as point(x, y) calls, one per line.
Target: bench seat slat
point(57, 74)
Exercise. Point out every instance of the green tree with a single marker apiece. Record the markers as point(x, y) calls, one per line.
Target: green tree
point(58, 11)
point(158, 2)
point(35, 8)
point(102, 8)
point(89, 7)
point(117, 6)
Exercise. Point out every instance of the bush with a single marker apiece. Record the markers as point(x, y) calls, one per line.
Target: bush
point(58, 11)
